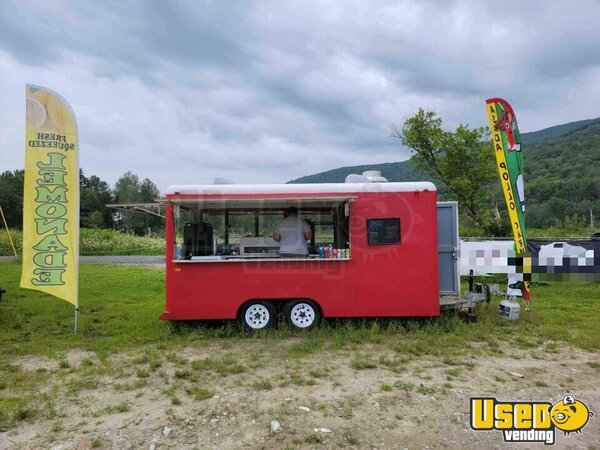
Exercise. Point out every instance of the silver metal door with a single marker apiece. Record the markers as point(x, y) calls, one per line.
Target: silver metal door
point(447, 218)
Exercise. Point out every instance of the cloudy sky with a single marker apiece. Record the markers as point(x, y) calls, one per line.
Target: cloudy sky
point(268, 91)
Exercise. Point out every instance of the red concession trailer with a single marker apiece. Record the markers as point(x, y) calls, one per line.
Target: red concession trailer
point(222, 263)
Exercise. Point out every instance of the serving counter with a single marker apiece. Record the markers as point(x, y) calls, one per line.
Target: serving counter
point(246, 258)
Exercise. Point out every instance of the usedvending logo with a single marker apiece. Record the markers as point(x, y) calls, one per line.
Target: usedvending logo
point(529, 421)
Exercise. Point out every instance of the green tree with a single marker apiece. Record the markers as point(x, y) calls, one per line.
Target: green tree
point(94, 195)
point(462, 161)
point(129, 189)
point(11, 197)
point(149, 193)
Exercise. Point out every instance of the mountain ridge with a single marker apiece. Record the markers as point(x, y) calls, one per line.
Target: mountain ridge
point(405, 167)
point(562, 172)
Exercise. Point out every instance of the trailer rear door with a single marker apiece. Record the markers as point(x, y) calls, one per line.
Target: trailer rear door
point(447, 217)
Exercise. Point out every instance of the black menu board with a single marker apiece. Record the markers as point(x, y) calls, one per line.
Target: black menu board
point(383, 231)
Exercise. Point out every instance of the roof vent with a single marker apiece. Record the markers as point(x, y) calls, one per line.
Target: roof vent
point(368, 176)
point(374, 176)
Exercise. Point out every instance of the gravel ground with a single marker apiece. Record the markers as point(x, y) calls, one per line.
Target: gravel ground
point(227, 394)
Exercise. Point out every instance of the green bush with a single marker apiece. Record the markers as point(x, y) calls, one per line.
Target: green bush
point(95, 242)
point(17, 239)
point(110, 242)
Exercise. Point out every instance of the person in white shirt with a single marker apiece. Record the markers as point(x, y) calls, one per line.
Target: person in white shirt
point(292, 234)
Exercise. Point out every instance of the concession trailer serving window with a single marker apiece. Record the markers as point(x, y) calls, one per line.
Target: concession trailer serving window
point(243, 228)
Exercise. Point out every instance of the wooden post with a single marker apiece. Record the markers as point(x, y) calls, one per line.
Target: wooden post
point(8, 233)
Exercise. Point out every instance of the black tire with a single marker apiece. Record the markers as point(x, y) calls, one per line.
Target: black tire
point(302, 314)
point(258, 315)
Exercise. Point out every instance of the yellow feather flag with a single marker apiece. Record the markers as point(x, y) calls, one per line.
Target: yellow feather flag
point(51, 197)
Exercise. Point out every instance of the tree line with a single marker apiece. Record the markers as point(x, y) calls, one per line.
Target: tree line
point(561, 174)
point(95, 194)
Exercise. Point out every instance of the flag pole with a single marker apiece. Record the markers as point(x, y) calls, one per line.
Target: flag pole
point(77, 250)
point(8, 232)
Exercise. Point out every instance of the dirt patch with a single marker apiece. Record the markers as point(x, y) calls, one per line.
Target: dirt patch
point(72, 359)
point(227, 394)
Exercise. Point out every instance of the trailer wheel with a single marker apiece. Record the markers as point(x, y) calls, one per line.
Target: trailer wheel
point(302, 314)
point(257, 315)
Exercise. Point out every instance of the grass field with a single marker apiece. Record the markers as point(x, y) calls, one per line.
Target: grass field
point(132, 352)
point(119, 309)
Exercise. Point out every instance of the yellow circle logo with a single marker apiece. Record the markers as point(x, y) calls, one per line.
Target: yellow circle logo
point(570, 415)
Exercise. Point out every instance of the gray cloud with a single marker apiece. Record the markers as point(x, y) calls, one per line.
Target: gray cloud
point(268, 91)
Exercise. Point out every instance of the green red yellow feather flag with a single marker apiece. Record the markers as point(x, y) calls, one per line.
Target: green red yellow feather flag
point(506, 140)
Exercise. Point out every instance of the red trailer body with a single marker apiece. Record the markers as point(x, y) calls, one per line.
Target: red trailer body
point(384, 276)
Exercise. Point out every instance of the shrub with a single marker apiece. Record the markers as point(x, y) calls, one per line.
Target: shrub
point(95, 242)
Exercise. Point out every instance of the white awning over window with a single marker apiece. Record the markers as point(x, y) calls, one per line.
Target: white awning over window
point(260, 203)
